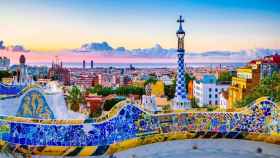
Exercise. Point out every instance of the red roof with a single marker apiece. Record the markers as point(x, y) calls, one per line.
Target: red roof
point(272, 59)
point(91, 98)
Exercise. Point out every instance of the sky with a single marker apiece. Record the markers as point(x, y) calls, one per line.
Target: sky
point(55, 25)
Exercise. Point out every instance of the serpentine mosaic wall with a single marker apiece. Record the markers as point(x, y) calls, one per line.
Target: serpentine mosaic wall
point(34, 105)
point(31, 102)
point(131, 122)
point(10, 89)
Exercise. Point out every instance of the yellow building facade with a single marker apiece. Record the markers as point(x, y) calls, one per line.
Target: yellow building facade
point(138, 83)
point(246, 80)
point(158, 89)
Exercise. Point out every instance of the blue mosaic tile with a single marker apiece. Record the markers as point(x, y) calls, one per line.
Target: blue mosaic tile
point(130, 122)
point(10, 90)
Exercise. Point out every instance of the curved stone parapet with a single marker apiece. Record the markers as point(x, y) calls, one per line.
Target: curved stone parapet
point(15, 91)
point(129, 126)
point(10, 89)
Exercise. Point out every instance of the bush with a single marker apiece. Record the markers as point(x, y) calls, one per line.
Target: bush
point(5, 74)
point(110, 103)
point(211, 108)
point(169, 90)
point(97, 113)
point(225, 76)
point(75, 98)
point(194, 103)
point(123, 91)
point(152, 80)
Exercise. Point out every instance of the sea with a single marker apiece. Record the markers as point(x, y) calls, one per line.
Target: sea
point(143, 65)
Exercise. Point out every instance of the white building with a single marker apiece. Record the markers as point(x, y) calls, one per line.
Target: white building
point(166, 80)
point(223, 102)
point(207, 91)
point(4, 63)
point(149, 103)
point(22, 77)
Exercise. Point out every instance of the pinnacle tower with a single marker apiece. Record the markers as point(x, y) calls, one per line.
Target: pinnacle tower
point(180, 100)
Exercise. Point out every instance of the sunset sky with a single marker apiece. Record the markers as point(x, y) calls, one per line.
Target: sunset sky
point(53, 25)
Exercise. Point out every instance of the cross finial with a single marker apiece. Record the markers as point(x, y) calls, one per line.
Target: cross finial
point(180, 20)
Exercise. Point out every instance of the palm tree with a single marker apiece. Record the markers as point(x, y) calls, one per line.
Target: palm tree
point(75, 98)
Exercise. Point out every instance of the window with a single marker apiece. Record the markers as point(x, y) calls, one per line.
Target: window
point(210, 96)
point(210, 102)
point(216, 95)
point(216, 89)
point(216, 102)
point(210, 89)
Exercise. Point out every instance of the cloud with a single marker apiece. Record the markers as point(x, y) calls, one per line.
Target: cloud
point(105, 49)
point(156, 51)
point(12, 48)
point(17, 48)
point(95, 46)
point(120, 49)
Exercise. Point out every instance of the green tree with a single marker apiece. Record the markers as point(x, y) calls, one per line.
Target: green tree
point(194, 103)
point(5, 74)
point(151, 79)
point(211, 108)
point(105, 91)
point(136, 90)
point(269, 86)
point(75, 98)
point(225, 76)
point(99, 90)
point(95, 89)
point(123, 91)
point(169, 90)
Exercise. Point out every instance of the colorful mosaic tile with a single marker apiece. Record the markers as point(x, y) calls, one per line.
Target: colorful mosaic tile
point(131, 122)
point(34, 105)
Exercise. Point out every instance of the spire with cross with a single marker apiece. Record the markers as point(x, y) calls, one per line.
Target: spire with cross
point(180, 35)
point(180, 21)
point(181, 101)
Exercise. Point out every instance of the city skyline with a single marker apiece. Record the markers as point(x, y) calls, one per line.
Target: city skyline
point(51, 26)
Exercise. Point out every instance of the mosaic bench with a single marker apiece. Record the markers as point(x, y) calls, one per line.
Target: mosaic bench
point(132, 126)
